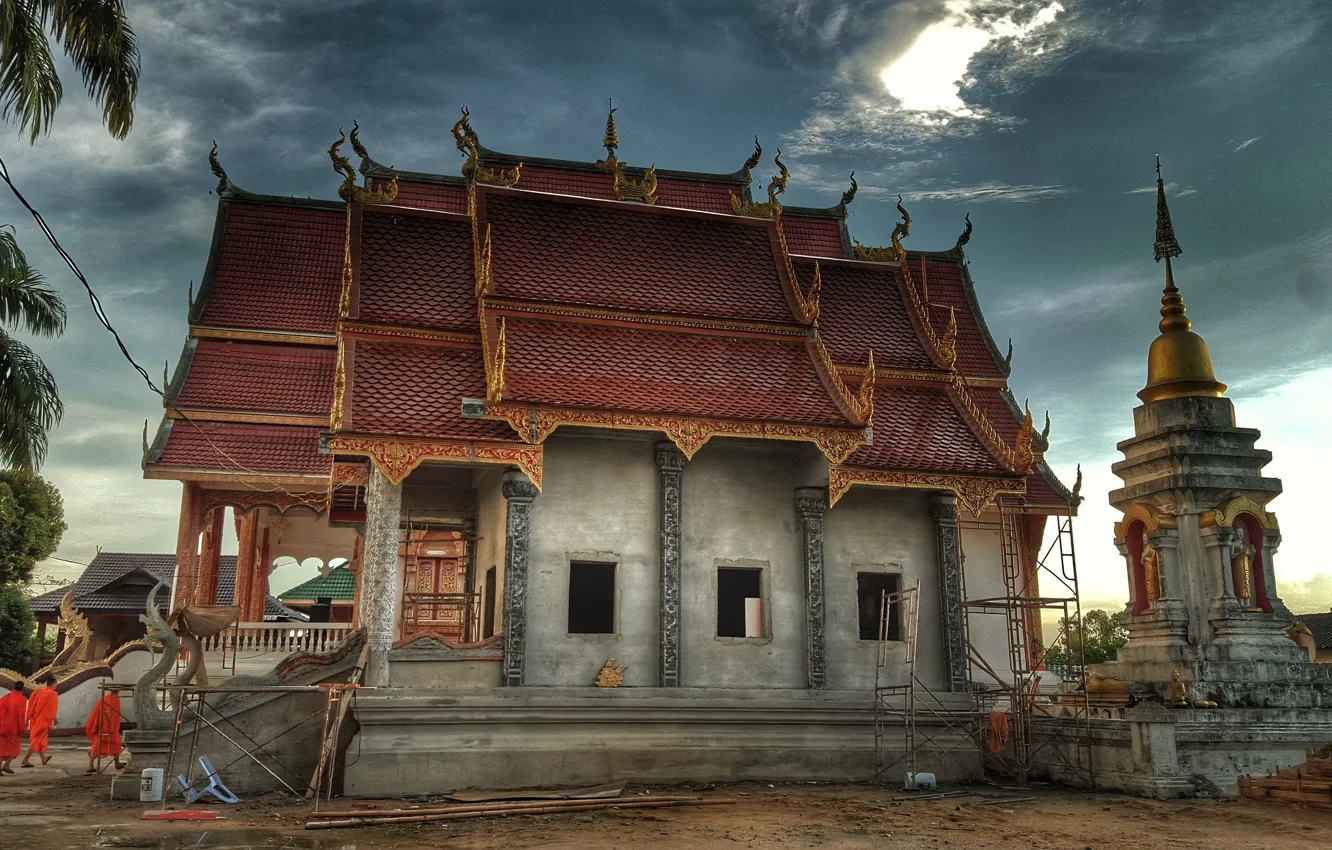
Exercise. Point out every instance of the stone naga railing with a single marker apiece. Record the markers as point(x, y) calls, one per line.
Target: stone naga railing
point(255, 639)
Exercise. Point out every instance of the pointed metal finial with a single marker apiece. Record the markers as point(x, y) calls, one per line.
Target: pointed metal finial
point(850, 194)
point(1167, 245)
point(166, 372)
point(611, 139)
point(224, 183)
point(1008, 358)
point(754, 158)
point(1077, 486)
point(145, 439)
point(965, 236)
point(191, 296)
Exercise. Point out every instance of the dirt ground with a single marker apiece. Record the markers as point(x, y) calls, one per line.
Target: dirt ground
point(58, 807)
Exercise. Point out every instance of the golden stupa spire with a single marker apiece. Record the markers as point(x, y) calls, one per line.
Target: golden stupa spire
point(1178, 363)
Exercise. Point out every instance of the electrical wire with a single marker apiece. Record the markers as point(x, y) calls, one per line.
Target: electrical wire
point(105, 321)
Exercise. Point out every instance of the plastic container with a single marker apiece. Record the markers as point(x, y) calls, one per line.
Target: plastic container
point(150, 785)
point(921, 781)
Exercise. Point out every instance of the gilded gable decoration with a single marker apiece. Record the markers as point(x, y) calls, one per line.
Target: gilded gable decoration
point(494, 364)
point(965, 236)
point(848, 196)
point(224, 184)
point(948, 342)
point(1022, 453)
point(467, 142)
point(776, 186)
point(975, 493)
point(349, 191)
point(643, 191)
point(753, 161)
point(893, 253)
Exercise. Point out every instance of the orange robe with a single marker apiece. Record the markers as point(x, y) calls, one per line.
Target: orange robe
point(42, 707)
point(13, 720)
point(103, 726)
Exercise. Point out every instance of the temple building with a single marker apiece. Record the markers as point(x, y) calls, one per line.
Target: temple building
point(554, 413)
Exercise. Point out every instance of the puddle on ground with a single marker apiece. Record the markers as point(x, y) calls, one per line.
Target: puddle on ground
point(238, 839)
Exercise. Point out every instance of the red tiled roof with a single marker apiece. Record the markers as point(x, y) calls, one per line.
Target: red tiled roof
point(278, 268)
point(1039, 491)
point(945, 285)
point(594, 366)
point(814, 237)
point(256, 376)
point(1001, 416)
point(918, 428)
point(687, 194)
point(431, 196)
point(861, 307)
point(417, 390)
point(242, 447)
point(632, 258)
point(417, 271)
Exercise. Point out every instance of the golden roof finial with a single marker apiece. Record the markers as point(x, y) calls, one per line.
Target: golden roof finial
point(611, 140)
point(1178, 363)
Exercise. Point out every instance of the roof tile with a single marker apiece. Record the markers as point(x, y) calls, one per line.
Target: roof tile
point(813, 237)
point(417, 271)
point(431, 196)
point(278, 268)
point(243, 447)
point(945, 285)
point(632, 258)
point(417, 390)
point(256, 376)
point(861, 308)
point(918, 428)
point(642, 370)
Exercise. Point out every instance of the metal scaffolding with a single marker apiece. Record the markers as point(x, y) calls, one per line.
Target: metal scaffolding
point(1007, 718)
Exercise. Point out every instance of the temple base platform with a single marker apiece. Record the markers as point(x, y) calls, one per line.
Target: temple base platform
point(1160, 752)
point(419, 741)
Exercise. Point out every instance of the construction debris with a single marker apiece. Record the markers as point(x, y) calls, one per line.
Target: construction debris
point(335, 820)
point(1307, 785)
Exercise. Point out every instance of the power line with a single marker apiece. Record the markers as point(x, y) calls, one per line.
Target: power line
point(102, 317)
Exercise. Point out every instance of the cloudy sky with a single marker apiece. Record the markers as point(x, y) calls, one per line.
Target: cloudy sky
point(1039, 117)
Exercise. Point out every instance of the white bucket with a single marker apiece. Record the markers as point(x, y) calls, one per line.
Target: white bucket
point(921, 781)
point(150, 785)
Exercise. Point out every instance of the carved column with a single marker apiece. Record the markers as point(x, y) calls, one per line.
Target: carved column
point(519, 493)
point(670, 467)
point(187, 547)
point(379, 571)
point(811, 503)
point(943, 510)
point(247, 566)
point(263, 567)
point(354, 565)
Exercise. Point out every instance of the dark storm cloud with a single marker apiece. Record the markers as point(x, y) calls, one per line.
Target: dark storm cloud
point(1053, 127)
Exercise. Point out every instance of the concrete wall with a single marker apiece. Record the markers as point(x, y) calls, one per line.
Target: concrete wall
point(984, 572)
point(879, 531)
point(598, 503)
point(738, 509)
point(490, 525)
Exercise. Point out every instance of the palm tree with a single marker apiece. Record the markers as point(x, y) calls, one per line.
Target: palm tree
point(96, 37)
point(29, 404)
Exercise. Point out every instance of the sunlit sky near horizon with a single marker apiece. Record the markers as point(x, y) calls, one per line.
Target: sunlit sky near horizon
point(1041, 119)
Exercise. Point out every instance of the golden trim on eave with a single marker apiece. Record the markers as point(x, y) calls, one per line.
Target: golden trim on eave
point(397, 457)
point(974, 492)
point(295, 419)
point(689, 433)
point(550, 308)
point(326, 340)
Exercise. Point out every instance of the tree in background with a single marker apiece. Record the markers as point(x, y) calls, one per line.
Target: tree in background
point(29, 403)
point(1097, 639)
point(32, 521)
point(96, 37)
point(18, 630)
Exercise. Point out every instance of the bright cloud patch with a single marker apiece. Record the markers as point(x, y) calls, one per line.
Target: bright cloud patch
point(930, 75)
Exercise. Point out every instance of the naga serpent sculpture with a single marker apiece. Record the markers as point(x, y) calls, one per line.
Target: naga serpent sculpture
point(161, 635)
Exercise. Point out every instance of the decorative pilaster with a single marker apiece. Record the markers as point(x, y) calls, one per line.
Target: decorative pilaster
point(943, 510)
point(379, 571)
point(811, 503)
point(263, 568)
point(519, 492)
point(670, 467)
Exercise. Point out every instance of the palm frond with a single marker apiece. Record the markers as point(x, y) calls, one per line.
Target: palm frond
point(30, 405)
point(25, 298)
point(29, 85)
point(98, 38)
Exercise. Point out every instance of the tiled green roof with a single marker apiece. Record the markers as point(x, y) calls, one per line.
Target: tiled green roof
point(338, 584)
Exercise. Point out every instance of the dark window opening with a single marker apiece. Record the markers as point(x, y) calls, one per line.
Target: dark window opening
point(870, 589)
point(322, 610)
point(488, 600)
point(734, 586)
point(591, 599)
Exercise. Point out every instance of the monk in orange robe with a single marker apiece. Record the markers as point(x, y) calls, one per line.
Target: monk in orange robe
point(13, 720)
point(103, 730)
point(42, 708)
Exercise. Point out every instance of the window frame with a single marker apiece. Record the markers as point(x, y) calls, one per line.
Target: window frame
point(614, 567)
point(895, 615)
point(765, 608)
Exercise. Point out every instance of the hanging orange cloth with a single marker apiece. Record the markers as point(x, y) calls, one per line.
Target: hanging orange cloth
point(103, 726)
point(13, 720)
point(42, 709)
point(998, 731)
